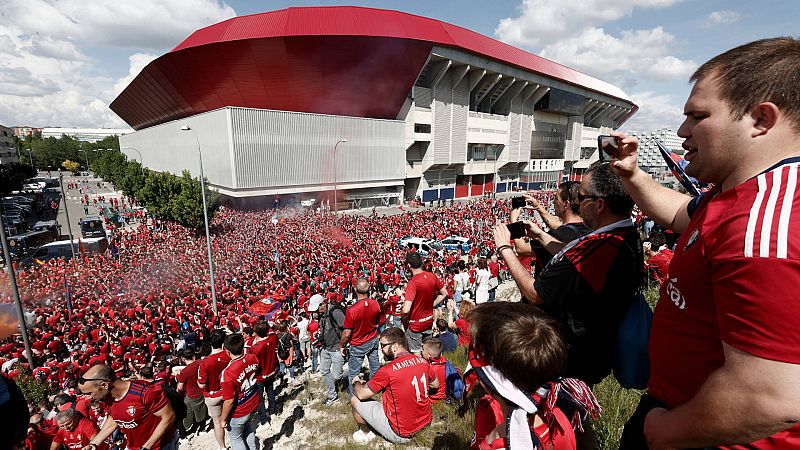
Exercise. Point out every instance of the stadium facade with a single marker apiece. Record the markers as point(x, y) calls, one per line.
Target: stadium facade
point(381, 104)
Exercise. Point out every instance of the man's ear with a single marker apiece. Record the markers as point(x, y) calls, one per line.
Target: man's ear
point(764, 116)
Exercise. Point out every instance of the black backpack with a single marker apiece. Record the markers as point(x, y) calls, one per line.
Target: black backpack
point(283, 346)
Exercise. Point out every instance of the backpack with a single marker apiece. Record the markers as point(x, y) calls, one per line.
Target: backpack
point(454, 381)
point(283, 347)
point(631, 363)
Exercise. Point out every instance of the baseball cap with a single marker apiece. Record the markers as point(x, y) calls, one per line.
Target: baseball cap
point(315, 301)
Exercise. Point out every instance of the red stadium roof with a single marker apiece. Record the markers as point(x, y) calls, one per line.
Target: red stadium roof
point(342, 60)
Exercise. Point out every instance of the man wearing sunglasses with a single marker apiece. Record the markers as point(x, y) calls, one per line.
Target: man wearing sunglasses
point(140, 410)
point(405, 380)
point(591, 281)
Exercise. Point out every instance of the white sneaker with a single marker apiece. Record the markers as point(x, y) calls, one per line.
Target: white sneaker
point(362, 438)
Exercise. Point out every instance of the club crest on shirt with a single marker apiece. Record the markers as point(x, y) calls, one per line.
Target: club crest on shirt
point(132, 410)
point(692, 239)
point(675, 294)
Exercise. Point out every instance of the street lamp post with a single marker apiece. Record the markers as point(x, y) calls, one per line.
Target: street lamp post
point(30, 155)
point(205, 219)
point(141, 160)
point(335, 181)
point(66, 211)
point(23, 326)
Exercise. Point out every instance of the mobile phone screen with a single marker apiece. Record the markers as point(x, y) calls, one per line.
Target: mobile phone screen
point(517, 230)
point(607, 146)
point(517, 202)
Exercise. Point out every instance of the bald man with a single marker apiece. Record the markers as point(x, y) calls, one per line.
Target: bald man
point(140, 409)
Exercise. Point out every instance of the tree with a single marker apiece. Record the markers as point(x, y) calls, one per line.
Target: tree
point(159, 188)
point(72, 166)
point(187, 206)
point(133, 178)
point(13, 175)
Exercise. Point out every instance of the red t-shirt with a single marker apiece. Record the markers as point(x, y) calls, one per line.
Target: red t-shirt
point(239, 384)
point(488, 415)
point(188, 376)
point(79, 437)
point(210, 370)
point(440, 371)
point(266, 350)
point(134, 414)
point(422, 291)
point(659, 263)
point(363, 317)
point(732, 279)
point(405, 400)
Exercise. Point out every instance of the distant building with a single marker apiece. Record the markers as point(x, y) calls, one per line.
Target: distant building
point(25, 130)
point(650, 159)
point(84, 134)
point(7, 153)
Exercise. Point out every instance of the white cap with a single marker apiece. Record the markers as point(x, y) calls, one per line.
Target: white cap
point(315, 301)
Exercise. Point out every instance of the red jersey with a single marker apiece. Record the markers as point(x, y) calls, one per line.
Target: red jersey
point(422, 291)
point(363, 318)
point(134, 414)
point(210, 370)
point(239, 384)
point(405, 400)
point(266, 350)
point(659, 264)
point(488, 415)
point(732, 278)
point(188, 376)
point(79, 437)
point(440, 371)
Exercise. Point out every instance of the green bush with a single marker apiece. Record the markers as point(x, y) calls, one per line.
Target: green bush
point(33, 389)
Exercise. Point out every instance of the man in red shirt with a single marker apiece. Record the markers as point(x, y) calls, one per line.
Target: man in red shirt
point(405, 408)
point(240, 394)
point(74, 431)
point(361, 322)
point(196, 411)
point(265, 347)
point(208, 376)
point(658, 256)
point(725, 347)
point(423, 292)
point(140, 410)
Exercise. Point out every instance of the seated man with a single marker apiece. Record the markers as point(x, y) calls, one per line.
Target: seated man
point(405, 408)
point(432, 352)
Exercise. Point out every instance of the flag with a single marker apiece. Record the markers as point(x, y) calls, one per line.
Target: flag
point(676, 165)
point(67, 297)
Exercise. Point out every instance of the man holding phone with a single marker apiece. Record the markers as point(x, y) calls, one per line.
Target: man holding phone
point(565, 226)
point(590, 282)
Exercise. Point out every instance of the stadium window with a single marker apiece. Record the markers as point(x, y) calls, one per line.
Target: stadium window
point(422, 128)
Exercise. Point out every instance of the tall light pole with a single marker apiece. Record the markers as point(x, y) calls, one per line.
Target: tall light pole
point(66, 211)
point(23, 326)
point(335, 181)
point(30, 155)
point(205, 218)
point(141, 160)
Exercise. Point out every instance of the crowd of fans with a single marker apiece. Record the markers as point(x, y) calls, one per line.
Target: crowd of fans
point(135, 356)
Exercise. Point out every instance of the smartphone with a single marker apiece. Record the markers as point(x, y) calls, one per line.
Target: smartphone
point(607, 146)
point(518, 202)
point(517, 229)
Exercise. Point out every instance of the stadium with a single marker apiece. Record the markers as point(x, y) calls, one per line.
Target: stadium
point(380, 105)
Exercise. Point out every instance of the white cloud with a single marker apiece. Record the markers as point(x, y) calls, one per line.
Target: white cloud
point(572, 33)
point(545, 22)
point(721, 18)
point(655, 112)
point(46, 75)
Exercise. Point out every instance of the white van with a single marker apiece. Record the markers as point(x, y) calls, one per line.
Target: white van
point(423, 246)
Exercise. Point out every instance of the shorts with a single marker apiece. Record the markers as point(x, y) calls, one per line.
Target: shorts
point(372, 413)
point(214, 405)
point(414, 339)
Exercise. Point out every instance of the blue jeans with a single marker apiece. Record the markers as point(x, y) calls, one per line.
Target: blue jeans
point(242, 432)
point(283, 370)
point(357, 354)
point(314, 359)
point(263, 412)
point(330, 366)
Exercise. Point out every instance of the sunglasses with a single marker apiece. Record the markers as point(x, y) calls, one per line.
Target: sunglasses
point(82, 380)
point(582, 197)
point(385, 344)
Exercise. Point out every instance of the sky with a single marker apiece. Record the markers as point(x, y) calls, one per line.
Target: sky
point(62, 62)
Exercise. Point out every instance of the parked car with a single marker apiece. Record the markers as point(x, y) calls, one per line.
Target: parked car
point(91, 226)
point(455, 243)
point(423, 246)
point(60, 249)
